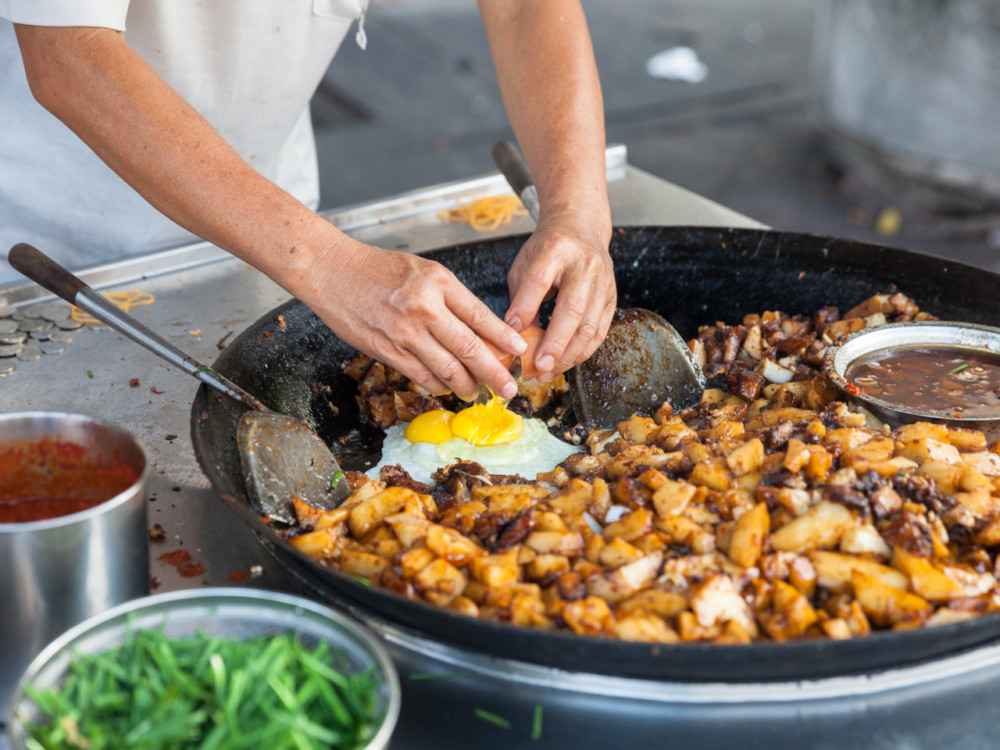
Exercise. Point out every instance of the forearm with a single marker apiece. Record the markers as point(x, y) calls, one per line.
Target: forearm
point(117, 104)
point(550, 87)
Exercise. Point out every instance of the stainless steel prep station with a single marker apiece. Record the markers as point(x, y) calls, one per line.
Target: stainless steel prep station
point(204, 297)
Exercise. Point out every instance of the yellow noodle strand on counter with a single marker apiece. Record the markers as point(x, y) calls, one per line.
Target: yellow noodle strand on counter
point(125, 300)
point(486, 214)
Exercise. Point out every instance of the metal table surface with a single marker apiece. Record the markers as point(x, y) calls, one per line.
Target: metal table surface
point(203, 296)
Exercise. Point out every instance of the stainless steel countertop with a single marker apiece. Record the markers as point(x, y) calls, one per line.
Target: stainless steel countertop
point(203, 295)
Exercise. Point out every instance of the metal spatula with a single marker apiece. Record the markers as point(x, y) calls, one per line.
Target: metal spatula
point(281, 456)
point(642, 362)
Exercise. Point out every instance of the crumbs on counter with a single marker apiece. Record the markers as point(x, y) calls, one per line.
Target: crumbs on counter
point(133, 382)
point(154, 583)
point(221, 343)
point(175, 558)
point(238, 576)
point(152, 389)
point(191, 569)
point(157, 533)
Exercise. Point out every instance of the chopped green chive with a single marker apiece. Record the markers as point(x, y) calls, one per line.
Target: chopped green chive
point(426, 676)
point(492, 718)
point(90, 373)
point(200, 370)
point(336, 478)
point(536, 723)
point(958, 369)
point(158, 693)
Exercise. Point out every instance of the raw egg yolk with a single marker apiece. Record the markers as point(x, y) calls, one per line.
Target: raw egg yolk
point(491, 423)
point(430, 427)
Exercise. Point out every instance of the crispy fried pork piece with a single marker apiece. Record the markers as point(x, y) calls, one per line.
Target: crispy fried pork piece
point(397, 476)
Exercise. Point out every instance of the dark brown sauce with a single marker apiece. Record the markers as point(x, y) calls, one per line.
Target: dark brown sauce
point(49, 478)
point(950, 381)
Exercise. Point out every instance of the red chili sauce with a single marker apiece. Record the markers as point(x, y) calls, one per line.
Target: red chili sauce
point(950, 381)
point(49, 478)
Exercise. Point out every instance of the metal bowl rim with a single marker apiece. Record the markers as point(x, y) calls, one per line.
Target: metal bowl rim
point(830, 369)
point(101, 508)
point(218, 595)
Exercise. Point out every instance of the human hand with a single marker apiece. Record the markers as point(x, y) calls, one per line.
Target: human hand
point(564, 255)
point(414, 315)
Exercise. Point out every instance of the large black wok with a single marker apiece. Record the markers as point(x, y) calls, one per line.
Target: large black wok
point(691, 276)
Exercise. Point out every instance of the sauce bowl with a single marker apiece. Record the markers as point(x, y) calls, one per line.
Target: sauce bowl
point(934, 334)
point(57, 572)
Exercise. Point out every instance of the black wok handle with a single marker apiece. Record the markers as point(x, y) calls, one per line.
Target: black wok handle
point(44, 271)
point(512, 165)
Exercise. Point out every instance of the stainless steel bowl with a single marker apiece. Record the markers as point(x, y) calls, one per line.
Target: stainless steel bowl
point(230, 613)
point(60, 571)
point(839, 358)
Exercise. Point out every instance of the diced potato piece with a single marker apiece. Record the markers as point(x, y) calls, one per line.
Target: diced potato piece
point(451, 545)
point(373, 511)
point(440, 582)
point(792, 615)
point(886, 605)
point(922, 430)
point(663, 603)
point(541, 394)
point(893, 466)
point(547, 520)
point(673, 496)
point(414, 560)
point(685, 531)
point(947, 476)
point(637, 429)
point(528, 610)
point(837, 629)
point(575, 497)
point(569, 543)
point(497, 570)
point(820, 463)
point(747, 539)
point(984, 462)
point(926, 580)
point(464, 606)
point(864, 539)
point(408, 528)
point(929, 449)
point(645, 628)
point(588, 616)
point(618, 552)
point(981, 503)
point(967, 440)
point(621, 583)
point(876, 450)
point(796, 456)
point(712, 473)
point(488, 492)
point(545, 567)
point(820, 526)
point(834, 570)
point(320, 544)
point(989, 535)
point(631, 526)
point(848, 438)
point(716, 602)
point(360, 563)
point(748, 457)
point(726, 428)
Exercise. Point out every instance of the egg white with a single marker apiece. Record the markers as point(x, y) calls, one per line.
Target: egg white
point(534, 451)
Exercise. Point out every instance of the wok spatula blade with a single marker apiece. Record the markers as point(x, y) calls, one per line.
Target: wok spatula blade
point(282, 458)
point(642, 363)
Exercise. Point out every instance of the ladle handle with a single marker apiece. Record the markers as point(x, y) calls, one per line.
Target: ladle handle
point(44, 271)
point(512, 165)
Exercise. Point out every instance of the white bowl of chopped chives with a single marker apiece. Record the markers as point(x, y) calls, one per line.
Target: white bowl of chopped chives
point(209, 669)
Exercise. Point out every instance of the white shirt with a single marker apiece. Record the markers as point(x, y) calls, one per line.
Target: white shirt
point(249, 67)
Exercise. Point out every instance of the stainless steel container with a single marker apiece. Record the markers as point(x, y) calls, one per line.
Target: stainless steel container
point(839, 358)
point(58, 572)
point(222, 613)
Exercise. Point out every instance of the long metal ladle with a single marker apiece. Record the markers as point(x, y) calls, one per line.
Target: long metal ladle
point(281, 456)
point(642, 362)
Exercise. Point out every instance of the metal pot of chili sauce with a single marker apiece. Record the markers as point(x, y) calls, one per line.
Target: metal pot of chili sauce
point(72, 528)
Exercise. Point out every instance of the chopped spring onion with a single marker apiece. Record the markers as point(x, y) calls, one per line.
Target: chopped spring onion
point(336, 478)
point(958, 369)
point(536, 723)
point(492, 718)
point(207, 693)
point(426, 676)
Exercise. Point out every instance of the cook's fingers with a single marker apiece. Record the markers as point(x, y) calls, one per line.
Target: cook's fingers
point(464, 336)
point(531, 287)
point(576, 326)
